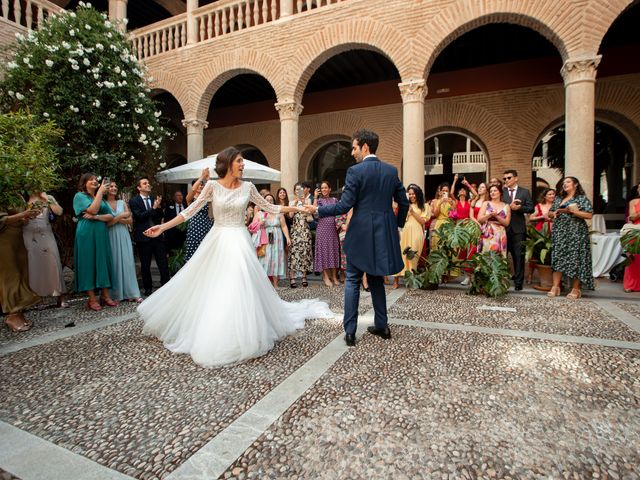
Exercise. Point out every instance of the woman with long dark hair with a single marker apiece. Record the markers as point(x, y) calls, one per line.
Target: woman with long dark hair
point(220, 307)
point(571, 245)
point(412, 235)
point(327, 251)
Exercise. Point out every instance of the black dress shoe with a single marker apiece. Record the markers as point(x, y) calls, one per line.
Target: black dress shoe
point(518, 288)
point(350, 340)
point(381, 332)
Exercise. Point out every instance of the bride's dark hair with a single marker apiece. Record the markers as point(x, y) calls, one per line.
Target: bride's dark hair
point(224, 159)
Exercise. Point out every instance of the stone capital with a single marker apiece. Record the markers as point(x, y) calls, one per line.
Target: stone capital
point(413, 91)
point(288, 110)
point(581, 69)
point(194, 125)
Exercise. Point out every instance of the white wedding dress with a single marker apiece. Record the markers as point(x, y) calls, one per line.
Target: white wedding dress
point(220, 307)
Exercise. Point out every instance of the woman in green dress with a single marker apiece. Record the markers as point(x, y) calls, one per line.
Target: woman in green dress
point(15, 294)
point(92, 248)
point(571, 245)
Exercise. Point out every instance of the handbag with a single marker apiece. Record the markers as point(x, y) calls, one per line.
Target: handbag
point(261, 251)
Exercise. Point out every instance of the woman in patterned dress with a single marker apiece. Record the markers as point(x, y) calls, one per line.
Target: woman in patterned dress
point(327, 257)
point(300, 249)
point(200, 224)
point(571, 245)
point(274, 260)
point(440, 208)
point(494, 218)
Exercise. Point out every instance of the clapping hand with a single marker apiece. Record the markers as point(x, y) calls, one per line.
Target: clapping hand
point(154, 231)
point(310, 209)
point(157, 202)
point(204, 176)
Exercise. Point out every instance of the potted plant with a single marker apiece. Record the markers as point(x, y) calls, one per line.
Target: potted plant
point(455, 237)
point(537, 248)
point(491, 274)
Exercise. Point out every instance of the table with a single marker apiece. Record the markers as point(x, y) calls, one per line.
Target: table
point(606, 252)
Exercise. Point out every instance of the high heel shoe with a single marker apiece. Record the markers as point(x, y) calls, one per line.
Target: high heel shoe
point(554, 292)
point(574, 294)
point(109, 302)
point(304, 282)
point(95, 305)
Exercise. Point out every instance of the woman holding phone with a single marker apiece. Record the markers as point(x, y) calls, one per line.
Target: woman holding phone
point(440, 208)
point(571, 245)
point(92, 249)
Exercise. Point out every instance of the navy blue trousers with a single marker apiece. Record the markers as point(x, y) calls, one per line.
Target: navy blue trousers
point(352, 298)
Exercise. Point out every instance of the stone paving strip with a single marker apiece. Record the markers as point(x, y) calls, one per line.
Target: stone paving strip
point(540, 314)
point(122, 400)
point(631, 308)
point(28, 453)
point(449, 404)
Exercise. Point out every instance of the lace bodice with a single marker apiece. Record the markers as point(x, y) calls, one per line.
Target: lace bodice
point(229, 205)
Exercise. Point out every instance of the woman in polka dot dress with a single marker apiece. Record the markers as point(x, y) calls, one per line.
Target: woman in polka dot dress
point(200, 224)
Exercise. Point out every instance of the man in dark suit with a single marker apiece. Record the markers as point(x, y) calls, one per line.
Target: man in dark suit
point(175, 236)
point(147, 212)
point(372, 244)
point(519, 199)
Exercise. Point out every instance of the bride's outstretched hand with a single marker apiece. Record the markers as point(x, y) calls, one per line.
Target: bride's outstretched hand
point(153, 231)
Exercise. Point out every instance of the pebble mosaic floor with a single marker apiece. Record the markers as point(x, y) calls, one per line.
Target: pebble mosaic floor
point(430, 403)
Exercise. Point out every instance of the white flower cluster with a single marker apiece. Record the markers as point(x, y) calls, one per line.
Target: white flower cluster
point(74, 108)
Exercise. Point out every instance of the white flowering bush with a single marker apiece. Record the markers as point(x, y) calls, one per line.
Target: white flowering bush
point(79, 72)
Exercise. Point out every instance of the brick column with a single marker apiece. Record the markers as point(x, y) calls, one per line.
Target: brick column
point(413, 93)
point(195, 138)
point(118, 13)
point(579, 76)
point(192, 25)
point(289, 112)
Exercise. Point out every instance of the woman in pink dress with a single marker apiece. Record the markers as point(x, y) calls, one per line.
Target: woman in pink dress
point(632, 271)
point(494, 216)
point(540, 215)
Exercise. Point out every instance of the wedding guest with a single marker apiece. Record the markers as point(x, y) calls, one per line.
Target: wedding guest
point(92, 249)
point(440, 208)
point(478, 200)
point(300, 250)
point(175, 236)
point(200, 224)
point(327, 251)
point(631, 281)
point(45, 269)
point(494, 218)
point(412, 235)
point(264, 192)
point(282, 199)
point(147, 212)
point(15, 294)
point(571, 244)
point(274, 260)
point(124, 283)
point(520, 204)
point(540, 215)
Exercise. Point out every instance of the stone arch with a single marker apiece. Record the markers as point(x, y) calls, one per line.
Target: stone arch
point(343, 124)
point(265, 136)
point(167, 82)
point(453, 22)
point(304, 168)
point(486, 129)
point(227, 66)
point(343, 36)
point(599, 17)
point(459, 131)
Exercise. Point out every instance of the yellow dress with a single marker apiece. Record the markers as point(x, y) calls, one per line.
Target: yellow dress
point(413, 236)
point(445, 208)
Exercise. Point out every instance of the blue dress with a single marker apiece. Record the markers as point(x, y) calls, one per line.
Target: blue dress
point(199, 226)
point(124, 282)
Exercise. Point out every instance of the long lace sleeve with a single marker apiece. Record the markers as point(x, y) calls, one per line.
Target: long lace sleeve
point(255, 197)
point(206, 195)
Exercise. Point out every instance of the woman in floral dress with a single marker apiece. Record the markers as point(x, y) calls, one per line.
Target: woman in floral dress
point(274, 259)
point(494, 218)
point(440, 208)
point(571, 245)
point(300, 249)
point(327, 256)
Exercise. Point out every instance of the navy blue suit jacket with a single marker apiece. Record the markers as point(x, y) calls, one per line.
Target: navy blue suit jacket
point(372, 243)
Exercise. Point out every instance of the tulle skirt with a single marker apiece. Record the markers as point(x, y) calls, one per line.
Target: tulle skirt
point(221, 307)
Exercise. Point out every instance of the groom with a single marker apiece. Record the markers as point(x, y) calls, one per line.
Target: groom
point(372, 244)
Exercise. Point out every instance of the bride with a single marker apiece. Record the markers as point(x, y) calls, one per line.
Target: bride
point(220, 307)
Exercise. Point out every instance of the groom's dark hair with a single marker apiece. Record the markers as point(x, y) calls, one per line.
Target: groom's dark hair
point(368, 137)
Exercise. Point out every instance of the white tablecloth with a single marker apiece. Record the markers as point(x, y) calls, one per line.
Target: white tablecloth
point(598, 224)
point(606, 252)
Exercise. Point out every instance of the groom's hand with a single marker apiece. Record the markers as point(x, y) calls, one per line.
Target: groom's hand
point(311, 209)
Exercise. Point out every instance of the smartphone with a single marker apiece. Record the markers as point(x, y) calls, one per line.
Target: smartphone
point(517, 200)
point(317, 185)
point(461, 178)
point(445, 194)
point(106, 180)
